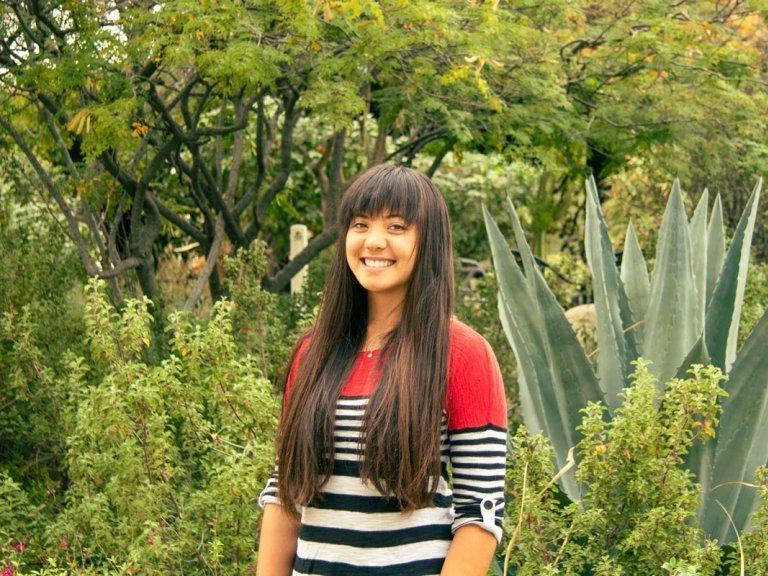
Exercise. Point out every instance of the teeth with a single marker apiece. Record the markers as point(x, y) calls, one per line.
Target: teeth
point(377, 263)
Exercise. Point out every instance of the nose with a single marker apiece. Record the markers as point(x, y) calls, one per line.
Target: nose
point(375, 240)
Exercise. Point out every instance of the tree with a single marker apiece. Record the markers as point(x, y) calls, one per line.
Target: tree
point(205, 119)
point(196, 114)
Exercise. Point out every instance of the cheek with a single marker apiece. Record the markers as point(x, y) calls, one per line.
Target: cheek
point(349, 249)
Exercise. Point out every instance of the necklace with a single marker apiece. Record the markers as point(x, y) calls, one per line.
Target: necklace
point(369, 352)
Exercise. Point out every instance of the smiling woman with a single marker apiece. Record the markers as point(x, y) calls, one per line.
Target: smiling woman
point(381, 252)
point(385, 394)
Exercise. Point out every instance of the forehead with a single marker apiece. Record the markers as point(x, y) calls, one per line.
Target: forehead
point(386, 197)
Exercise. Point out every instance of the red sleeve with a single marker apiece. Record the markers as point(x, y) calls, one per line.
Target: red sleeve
point(298, 356)
point(476, 396)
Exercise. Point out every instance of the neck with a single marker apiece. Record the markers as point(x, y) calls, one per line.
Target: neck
point(384, 314)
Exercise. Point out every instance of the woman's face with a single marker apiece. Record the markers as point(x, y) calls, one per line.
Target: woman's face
point(381, 252)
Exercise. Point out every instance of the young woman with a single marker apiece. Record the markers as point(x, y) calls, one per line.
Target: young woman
point(384, 396)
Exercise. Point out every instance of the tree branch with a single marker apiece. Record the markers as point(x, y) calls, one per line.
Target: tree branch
point(447, 147)
point(280, 280)
point(417, 143)
point(261, 163)
point(178, 221)
point(211, 192)
point(336, 181)
point(210, 263)
point(286, 148)
point(72, 228)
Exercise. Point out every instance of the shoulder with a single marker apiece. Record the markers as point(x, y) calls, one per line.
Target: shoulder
point(475, 394)
point(466, 343)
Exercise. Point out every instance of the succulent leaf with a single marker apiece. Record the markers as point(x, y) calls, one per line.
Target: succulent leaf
point(698, 234)
point(616, 343)
point(557, 378)
point(742, 439)
point(634, 275)
point(724, 311)
point(715, 246)
point(672, 324)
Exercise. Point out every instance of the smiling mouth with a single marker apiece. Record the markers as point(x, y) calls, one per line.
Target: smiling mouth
point(371, 263)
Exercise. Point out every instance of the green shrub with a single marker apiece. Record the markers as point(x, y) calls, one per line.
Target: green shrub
point(39, 321)
point(638, 502)
point(755, 541)
point(755, 299)
point(266, 324)
point(165, 461)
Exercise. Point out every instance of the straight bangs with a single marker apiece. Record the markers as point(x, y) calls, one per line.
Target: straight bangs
point(387, 190)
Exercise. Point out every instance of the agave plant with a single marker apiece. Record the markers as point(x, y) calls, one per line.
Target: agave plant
point(686, 311)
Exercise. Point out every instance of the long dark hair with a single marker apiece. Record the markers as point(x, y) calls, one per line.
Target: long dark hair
point(401, 424)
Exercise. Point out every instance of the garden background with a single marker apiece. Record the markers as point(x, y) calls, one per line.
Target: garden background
point(154, 157)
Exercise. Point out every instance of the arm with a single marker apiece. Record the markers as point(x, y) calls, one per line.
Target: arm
point(279, 530)
point(471, 552)
point(477, 437)
point(277, 542)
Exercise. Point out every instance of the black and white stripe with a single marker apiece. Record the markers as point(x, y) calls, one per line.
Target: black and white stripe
point(354, 529)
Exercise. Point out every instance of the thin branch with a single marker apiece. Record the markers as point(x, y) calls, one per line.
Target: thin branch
point(72, 228)
point(292, 114)
point(219, 151)
point(238, 146)
point(210, 263)
point(213, 193)
point(112, 237)
point(160, 157)
point(447, 147)
point(280, 280)
point(380, 146)
point(417, 142)
point(261, 163)
point(54, 130)
point(178, 221)
point(336, 181)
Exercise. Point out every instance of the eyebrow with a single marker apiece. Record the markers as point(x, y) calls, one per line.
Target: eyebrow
point(387, 216)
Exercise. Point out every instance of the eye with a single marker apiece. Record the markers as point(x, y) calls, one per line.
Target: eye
point(399, 227)
point(358, 225)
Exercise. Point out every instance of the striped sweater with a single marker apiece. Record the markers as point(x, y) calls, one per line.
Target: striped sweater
point(355, 530)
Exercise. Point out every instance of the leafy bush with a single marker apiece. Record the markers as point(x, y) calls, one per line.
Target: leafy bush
point(638, 502)
point(756, 540)
point(755, 299)
point(165, 461)
point(266, 324)
point(39, 321)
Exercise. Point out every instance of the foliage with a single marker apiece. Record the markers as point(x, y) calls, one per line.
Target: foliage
point(267, 325)
point(39, 321)
point(687, 312)
point(119, 456)
point(638, 502)
point(470, 179)
point(755, 300)
point(164, 461)
point(215, 123)
point(472, 308)
point(755, 549)
point(201, 116)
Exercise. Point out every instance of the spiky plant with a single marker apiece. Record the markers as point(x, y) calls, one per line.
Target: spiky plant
point(687, 311)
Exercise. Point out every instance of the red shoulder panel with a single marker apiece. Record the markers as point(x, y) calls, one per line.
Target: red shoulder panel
point(475, 388)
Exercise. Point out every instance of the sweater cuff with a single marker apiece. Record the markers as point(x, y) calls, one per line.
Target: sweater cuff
point(487, 520)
